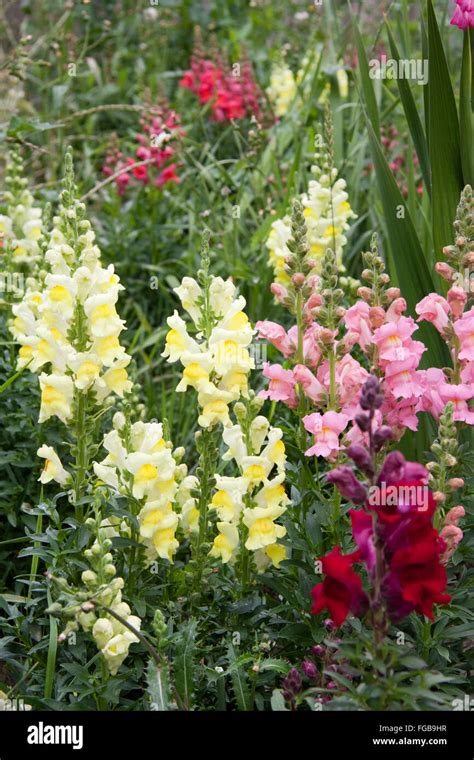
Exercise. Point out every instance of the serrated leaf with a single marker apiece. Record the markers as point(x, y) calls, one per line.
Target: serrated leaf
point(158, 686)
point(240, 684)
point(184, 663)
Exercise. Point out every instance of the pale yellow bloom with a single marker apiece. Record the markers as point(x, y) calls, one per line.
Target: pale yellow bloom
point(225, 543)
point(262, 530)
point(53, 468)
point(57, 393)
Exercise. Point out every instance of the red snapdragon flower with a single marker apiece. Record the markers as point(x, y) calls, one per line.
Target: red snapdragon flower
point(341, 591)
point(230, 95)
point(414, 577)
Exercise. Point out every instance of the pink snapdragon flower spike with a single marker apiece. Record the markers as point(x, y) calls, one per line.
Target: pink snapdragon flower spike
point(463, 16)
point(281, 386)
point(326, 429)
point(435, 309)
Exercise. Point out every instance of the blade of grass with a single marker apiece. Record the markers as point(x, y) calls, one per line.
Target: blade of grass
point(445, 157)
point(413, 118)
point(465, 113)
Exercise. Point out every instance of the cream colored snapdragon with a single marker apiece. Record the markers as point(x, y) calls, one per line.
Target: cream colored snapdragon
point(140, 463)
point(112, 638)
point(252, 501)
point(69, 329)
point(216, 359)
point(21, 226)
point(327, 213)
point(282, 88)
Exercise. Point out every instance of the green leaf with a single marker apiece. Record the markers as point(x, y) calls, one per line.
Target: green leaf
point(413, 119)
point(240, 684)
point(19, 124)
point(465, 113)
point(367, 86)
point(445, 156)
point(158, 688)
point(409, 261)
point(184, 663)
point(277, 701)
point(12, 379)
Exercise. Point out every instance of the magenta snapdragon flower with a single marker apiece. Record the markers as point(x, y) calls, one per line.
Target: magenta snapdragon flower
point(464, 14)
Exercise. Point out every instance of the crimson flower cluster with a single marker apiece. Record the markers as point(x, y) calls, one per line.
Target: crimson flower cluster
point(401, 550)
point(159, 130)
point(232, 94)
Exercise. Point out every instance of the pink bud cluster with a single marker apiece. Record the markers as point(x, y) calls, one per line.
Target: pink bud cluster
point(159, 130)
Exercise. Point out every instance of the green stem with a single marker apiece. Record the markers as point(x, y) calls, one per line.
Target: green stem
point(52, 652)
point(81, 454)
point(332, 379)
point(35, 558)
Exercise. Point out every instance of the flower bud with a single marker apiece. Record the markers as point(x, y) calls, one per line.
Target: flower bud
point(298, 280)
point(309, 669)
point(347, 484)
point(392, 293)
point(88, 577)
point(365, 294)
point(118, 421)
point(361, 458)
point(455, 483)
point(444, 271)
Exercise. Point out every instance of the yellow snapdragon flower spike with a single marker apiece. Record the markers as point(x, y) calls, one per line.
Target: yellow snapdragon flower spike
point(217, 364)
point(144, 464)
point(69, 326)
point(282, 88)
point(256, 498)
point(327, 213)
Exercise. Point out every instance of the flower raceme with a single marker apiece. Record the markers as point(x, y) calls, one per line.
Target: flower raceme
point(230, 94)
point(319, 366)
point(327, 213)
point(249, 504)
point(101, 609)
point(140, 463)
point(216, 360)
point(21, 226)
point(282, 88)
point(69, 328)
point(403, 554)
point(160, 129)
point(411, 553)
